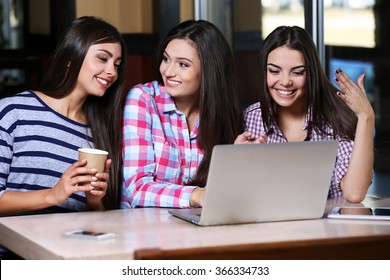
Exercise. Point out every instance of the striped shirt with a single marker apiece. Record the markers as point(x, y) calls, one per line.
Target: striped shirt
point(37, 145)
point(160, 155)
point(254, 123)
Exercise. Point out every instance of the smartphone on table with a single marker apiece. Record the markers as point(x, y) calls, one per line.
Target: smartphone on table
point(365, 213)
point(94, 235)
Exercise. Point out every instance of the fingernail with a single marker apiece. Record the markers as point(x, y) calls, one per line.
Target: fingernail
point(336, 79)
point(340, 70)
point(364, 76)
point(93, 170)
point(337, 71)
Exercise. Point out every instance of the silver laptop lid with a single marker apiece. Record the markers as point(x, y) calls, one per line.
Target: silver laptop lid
point(268, 182)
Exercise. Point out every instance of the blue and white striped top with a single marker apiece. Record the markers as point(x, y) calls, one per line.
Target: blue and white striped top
point(37, 145)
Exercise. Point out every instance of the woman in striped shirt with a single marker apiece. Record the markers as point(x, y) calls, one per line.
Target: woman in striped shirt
point(78, 105)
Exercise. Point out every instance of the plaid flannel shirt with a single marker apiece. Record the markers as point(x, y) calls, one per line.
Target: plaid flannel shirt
point(160, 155)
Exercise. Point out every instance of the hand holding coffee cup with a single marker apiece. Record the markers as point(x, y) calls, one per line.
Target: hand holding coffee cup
point(96, 159)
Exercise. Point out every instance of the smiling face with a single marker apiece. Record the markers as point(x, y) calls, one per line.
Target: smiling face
point(181, 70)
point(286, 77)
point(99, 69)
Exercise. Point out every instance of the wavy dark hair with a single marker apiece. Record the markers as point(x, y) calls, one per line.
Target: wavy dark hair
point(220, 117)
point(320, 94)
point(103, 114)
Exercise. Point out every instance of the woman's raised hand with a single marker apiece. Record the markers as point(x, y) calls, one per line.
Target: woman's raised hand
point(248, 138)
point(354, 94)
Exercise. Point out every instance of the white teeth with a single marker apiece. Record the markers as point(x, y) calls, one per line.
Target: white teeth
point(285, 92)
point(173, 82)
point(102, 81)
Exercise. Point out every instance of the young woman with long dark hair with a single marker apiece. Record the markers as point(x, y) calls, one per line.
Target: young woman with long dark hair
point(299, 103)
point(172, 124)
point(78, 105)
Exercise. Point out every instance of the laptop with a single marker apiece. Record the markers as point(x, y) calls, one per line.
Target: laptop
point(252, 183)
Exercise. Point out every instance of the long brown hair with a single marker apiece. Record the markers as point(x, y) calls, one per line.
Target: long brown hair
point(103, 114)
point(321, 95)
point(220, 117)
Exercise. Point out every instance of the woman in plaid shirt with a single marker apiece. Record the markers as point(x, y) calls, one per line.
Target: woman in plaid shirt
point(299, 103)
point(172, 124)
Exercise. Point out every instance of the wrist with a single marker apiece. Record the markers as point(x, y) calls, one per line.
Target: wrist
point(197, 196)
point(368, 117)
point(50, 198)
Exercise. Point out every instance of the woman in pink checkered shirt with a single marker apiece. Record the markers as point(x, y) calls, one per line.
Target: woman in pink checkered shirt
point(299, 103)
point(172, 124)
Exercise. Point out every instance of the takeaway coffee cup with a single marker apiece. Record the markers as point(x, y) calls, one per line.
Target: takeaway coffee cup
point(95, 158)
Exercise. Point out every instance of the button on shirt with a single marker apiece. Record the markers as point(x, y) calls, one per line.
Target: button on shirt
point(160, 155)
point(254, 123)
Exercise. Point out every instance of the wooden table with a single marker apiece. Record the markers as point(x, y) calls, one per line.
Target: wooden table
point(152, 233)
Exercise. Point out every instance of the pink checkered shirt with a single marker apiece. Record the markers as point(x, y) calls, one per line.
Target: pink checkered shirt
point(160, 155)
point(254, 123)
